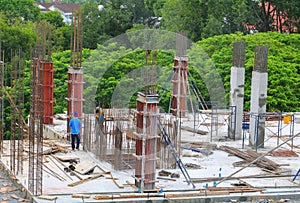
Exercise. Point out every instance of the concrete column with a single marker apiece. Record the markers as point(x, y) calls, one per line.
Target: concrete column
point(146, 140)
point(237, 81)
point(259, 86)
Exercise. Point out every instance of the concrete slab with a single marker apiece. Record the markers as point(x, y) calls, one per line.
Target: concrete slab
point(217, 164)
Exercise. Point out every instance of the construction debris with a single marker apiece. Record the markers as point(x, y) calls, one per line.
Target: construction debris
point(67, 158)
point(284, 153)
point(47, 197)
point(7, 190)
point(85, 167)
point(87, 179)
point(19, 198)
point(164, 173)
point(175, 175)
point(192, 166)
point(251, 155)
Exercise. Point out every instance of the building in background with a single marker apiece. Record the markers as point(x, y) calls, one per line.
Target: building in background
point(65, 9)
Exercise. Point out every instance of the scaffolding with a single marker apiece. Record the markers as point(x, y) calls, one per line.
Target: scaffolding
point(220, 116)
point(283, 120)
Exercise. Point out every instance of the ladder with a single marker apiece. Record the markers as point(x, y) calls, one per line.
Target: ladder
point(174, 152)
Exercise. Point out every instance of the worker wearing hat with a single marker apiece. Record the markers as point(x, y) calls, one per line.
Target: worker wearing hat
point(75, 125)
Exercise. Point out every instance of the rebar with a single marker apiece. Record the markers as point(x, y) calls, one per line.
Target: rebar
point(238, 56)
point(261, 59)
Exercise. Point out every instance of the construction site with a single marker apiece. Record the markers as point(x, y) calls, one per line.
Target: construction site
point(199, 151)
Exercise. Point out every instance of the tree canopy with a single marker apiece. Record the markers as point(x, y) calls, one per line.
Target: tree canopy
point(283, 69)
point(214, 25)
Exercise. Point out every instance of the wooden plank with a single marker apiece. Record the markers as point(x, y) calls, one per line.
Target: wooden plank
point(82, 196)
point(102, 197)
point(132, 185)
point(116, 183)
point(87, 179)
point(102, 169)
point(251, 155)
point(47, 197)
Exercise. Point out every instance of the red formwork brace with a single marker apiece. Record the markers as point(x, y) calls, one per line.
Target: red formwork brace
point(180, 78)
point(146, 109)
point(48, 87)
point(75, 92)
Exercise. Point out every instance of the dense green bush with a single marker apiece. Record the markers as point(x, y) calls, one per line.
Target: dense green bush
point(283, 65)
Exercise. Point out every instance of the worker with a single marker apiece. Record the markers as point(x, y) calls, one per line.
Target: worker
point(99, 116)
point(75, 125)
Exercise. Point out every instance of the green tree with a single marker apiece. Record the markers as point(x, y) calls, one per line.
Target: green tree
point(19, 35)
point(54, 18)
point(155, 6)
point(274, 15)
point(23, 9)
point(93, 20)
point(184, 15)
point(61, 38)
point(230, 14)
point(212, 28)
point(111, 18)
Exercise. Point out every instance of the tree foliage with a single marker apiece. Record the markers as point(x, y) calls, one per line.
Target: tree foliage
point(19, 35)
point(21, 9)
point(187, 16)
point(103, 20)
point(275, 15)
point(111, 18)
point(114, 63)
point(202, 19)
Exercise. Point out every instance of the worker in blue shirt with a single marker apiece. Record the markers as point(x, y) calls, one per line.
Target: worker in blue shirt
point(75, 125)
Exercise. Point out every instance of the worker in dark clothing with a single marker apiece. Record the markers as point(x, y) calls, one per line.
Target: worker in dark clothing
point(75, 125)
